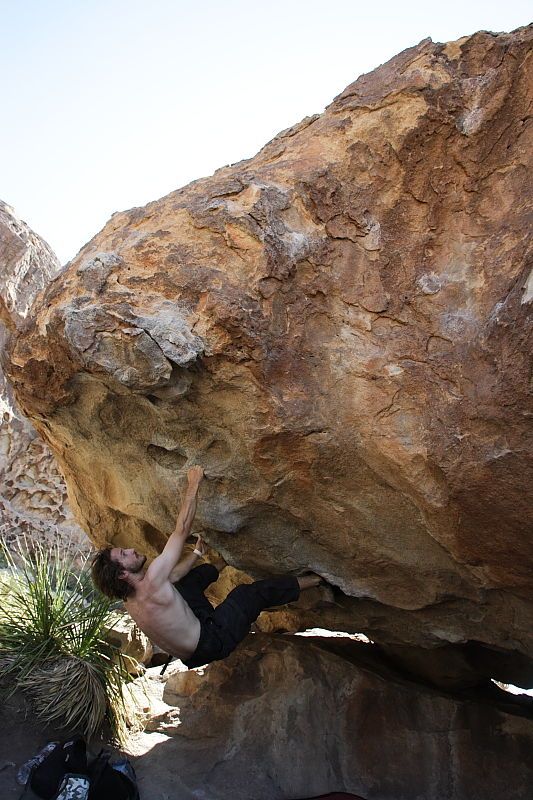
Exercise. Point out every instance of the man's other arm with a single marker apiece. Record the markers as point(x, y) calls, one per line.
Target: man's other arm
point(185, 566)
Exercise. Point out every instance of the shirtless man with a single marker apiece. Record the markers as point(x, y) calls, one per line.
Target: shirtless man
point(167, 600)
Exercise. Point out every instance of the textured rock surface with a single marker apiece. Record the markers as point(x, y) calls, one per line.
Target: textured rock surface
point(337, 330)
point(131, 641)
point(283, 719)
point(27, 266)
point(33, 496)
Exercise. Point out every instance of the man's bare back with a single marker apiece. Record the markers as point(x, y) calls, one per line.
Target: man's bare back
point(165, 618)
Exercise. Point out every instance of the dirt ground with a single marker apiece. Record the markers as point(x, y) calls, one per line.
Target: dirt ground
point(21, 739)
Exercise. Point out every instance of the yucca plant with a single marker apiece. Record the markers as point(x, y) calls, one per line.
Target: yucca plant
point(53, 645)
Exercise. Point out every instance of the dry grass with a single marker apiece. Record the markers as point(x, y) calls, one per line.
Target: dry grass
point(53, 645)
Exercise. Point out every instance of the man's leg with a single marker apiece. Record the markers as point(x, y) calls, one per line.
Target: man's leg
point(243, 605)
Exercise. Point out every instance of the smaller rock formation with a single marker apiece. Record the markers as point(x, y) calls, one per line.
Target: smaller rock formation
point(284, 718)
point(33, 495)
point(27, 265)
point(131, 641)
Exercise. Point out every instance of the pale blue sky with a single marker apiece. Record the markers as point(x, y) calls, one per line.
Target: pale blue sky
point(108, 104)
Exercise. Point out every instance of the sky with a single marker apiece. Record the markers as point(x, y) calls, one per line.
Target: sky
point(109, 104)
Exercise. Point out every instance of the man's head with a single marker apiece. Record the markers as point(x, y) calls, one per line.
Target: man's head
point(113, 570)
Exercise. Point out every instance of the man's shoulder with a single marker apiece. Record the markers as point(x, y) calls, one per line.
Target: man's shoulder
point(153, 590)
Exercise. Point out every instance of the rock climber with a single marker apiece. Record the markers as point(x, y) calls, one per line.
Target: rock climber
point(167, 600)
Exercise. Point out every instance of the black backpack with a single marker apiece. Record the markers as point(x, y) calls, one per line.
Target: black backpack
point(64, 774)
point(112, 780)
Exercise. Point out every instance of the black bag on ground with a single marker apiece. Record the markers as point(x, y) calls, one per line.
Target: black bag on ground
point(64, 774)
point(68, 757)
point(116, 781)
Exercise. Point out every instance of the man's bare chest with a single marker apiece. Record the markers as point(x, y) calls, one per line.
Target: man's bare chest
point(149, 610)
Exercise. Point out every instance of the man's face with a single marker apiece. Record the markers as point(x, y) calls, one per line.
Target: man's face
point(129, 559)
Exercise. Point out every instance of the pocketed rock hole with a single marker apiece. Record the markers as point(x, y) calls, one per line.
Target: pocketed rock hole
point(168, 459)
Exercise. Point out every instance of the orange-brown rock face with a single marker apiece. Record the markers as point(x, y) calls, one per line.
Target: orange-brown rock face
point(337, 330)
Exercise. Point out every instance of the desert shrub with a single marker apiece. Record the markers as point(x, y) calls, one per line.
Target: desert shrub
point(53, 643)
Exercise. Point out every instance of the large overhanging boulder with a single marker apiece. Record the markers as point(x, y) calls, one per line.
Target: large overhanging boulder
point(336, 330)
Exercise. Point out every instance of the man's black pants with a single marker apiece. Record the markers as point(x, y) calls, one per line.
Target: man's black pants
point(223, 627)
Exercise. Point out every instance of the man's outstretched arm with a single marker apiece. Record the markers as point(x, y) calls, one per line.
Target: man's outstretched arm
point(159, 570)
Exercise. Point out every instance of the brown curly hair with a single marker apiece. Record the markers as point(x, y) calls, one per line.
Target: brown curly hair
point(105, 573)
